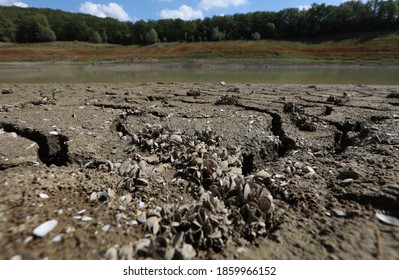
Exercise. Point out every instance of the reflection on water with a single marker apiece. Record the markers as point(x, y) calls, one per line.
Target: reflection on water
point(274, 75)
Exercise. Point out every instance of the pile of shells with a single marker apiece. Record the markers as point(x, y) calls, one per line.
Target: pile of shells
point(193, 92)
point(227, 100)
point(7, 91)
point(225, 204)
point(338, 100)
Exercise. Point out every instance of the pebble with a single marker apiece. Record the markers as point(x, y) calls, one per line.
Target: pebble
point(53, 133)
point(16, 258)
point(45, 228)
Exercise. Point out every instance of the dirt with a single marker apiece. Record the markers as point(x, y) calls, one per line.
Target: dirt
point(331, 151)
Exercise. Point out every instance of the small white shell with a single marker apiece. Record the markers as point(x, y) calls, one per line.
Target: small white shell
point(43, 195)
point(105, 228)
point(388, 219)
point(45, 228)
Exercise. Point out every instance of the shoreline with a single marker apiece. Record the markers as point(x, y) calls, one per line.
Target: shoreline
point(197, 63)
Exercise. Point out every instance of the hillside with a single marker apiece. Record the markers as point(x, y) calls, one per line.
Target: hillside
point(383, 48)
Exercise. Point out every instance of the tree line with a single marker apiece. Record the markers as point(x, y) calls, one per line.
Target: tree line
point(29, 25)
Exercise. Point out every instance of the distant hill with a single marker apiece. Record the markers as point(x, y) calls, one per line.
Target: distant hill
point(30, 25)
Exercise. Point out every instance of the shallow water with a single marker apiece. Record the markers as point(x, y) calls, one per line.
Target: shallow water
point(273, 75)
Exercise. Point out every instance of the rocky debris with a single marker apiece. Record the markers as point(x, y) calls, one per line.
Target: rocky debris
point(227, 100)
point(7, 91)
point(393, 95)
point(298, 117)
point(338, 100)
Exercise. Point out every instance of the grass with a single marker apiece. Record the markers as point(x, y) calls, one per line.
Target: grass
point(365, 48)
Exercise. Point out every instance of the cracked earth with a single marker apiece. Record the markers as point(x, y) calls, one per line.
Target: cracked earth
point(330, 153)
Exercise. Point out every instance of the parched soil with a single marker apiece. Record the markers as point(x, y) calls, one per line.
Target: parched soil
point(328, 156)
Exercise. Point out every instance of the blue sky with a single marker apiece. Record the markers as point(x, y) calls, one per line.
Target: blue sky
point(133, 10)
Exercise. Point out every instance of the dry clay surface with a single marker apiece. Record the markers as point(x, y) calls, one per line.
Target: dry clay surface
point(199, 171)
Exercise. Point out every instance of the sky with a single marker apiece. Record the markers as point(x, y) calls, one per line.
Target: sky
point(133, 10)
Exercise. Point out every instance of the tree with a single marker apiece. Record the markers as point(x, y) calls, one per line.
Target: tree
point(34, 28)
point(217, 35)
point(7, 29)
point(256, 36)
point(95, 37)
point(270, 28)
point(152, 37)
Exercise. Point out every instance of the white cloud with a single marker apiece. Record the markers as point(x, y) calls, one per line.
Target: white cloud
point(13, 3)
point(184, 12)
point(304, 7)
point(209, 4)
point(112, 10)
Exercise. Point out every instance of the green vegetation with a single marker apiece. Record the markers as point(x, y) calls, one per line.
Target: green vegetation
point(28, 25)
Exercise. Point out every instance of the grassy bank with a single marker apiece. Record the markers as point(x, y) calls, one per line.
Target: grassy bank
point(358, 49)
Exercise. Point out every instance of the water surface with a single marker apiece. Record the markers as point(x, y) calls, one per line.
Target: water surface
point(43, 73)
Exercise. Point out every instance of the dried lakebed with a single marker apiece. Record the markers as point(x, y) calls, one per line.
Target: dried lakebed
point(199, 171)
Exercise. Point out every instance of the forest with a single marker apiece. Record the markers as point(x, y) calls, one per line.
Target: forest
point(30, 25)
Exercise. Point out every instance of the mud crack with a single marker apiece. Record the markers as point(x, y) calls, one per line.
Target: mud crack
point(53, 149)
point(287, 143)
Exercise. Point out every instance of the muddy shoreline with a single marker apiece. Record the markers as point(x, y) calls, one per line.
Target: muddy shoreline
point(327, 155)
point(147, 64)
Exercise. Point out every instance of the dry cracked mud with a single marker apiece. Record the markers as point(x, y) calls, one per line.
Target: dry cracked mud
point(171, 171)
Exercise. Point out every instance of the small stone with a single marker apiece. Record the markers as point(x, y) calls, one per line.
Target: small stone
point(16, 258)
point(308, 169)
point(45, 228)
point(53, 133)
